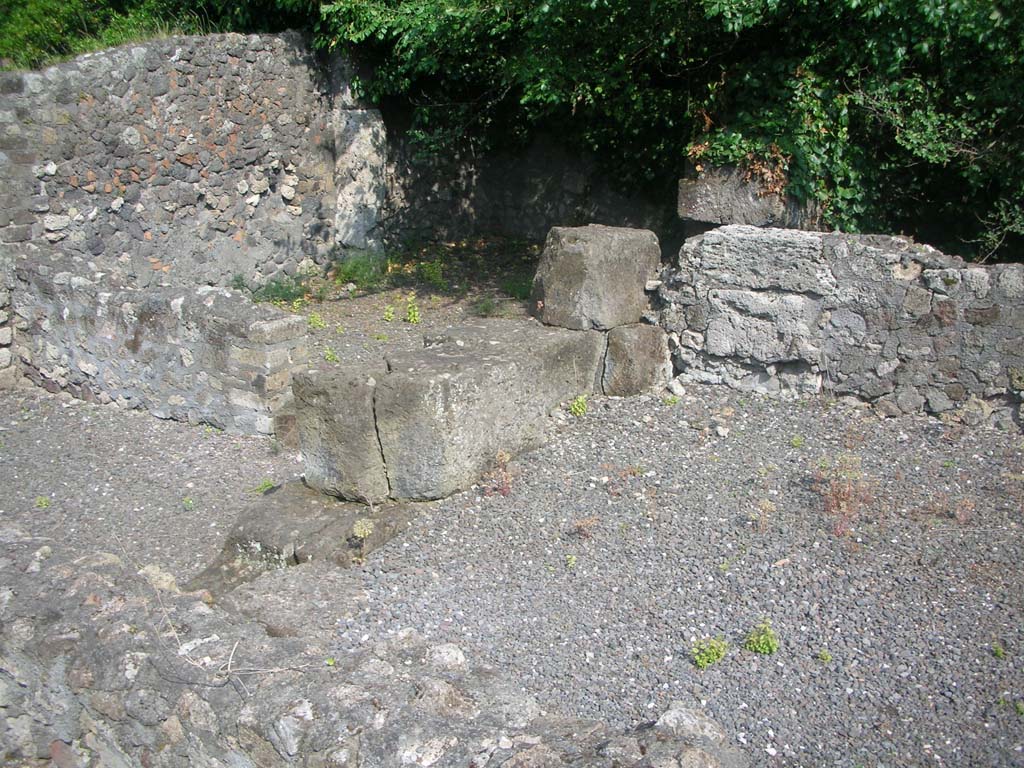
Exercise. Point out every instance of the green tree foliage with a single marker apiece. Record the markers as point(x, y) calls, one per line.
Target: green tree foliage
point(891, 114)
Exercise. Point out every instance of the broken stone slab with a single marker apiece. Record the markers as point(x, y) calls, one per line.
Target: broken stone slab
point(637, 360)
point(726, 194)
point(595, 276)
point(334, 414)
point(293, 524)
point(446, 412)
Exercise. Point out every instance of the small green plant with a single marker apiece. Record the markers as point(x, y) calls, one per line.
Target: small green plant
point(948, 464)
point(708, 651)
point(518, 286)
point(283, 292)
point(570, 562)
point(331, 356)
point(762, 639)
point(329, 661)
point(380, 337)
point(365, 270)
point(578, 406)
point(412, 311)
point(389, 313)
point(264, 486)
point(798, 441)
point(998, 651)
point(238, 283)
point(315, 321)
point(339, 329)
point(362, 528)
point(432, 273)
point(209, 431)
point(824, 656)
point(42, 502)
point(670, 400)
point(485, 307)
point(1018, 707)
point(188, 504)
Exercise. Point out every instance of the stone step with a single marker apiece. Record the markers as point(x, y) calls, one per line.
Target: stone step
point(427, 423)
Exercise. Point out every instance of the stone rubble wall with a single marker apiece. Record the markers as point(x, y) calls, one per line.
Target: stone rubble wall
point(186, 160)
point(881, 318)
point(8, 369)
point(194, 354)
point(99, 666)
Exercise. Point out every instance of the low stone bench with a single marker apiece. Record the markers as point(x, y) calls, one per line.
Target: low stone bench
point(427, 423)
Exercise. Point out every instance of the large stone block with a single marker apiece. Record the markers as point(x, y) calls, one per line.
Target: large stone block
point(337, 432)
point(637, 360)
point(444, 413)
point(595, 276)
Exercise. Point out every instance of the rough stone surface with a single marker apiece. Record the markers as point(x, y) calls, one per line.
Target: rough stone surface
point(882, 318)
point(727, 195)
point(292, 524)
point(438, 417)
point(105, 667)
point(637, 360)
point(595, 276)
point(193, 354)
point(338, 432)
point(8, 371)
point(185, 160)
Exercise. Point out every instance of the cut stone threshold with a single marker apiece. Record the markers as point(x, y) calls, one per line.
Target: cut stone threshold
point(292, 524)
point(425, 424)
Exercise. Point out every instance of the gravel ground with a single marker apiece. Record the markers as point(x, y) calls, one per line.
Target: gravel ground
point(98, 478)
point(589, 570)
point(645, 526)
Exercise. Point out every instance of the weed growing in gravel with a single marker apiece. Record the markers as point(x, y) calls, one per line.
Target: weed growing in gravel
point(42, 502)
point(762, 639)
point(331, 356)
point(412, 311)
point(432, 273)
point(998, 651)
point(486, 306)
point(824, 656)
point(670, 400)
point(380, 337)
point(578, 406)
point(389, 313)
point(765, 509)
point(844, 492)
point(264, 486)
point(798, 441)
point(367, 271)
point(188, 504)
point(315, 321)
point(584, 527)
point(1018, 707)
point(570, 562)
point(708, 651)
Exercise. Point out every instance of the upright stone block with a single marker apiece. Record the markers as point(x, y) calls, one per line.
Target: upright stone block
point(637, 360)
point(337, 433)
point(594, 277)
point(445, 413)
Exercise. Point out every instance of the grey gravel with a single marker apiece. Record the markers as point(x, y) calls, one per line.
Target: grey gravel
point(97, 478)
point(596, 617)
point(641, 529)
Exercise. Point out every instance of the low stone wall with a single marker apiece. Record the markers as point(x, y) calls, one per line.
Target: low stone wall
point(8, 370)
point(101, 667)
point(881, 318)
point(197, 354)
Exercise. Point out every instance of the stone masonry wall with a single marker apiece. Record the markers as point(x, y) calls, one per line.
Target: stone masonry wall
point(881, 318)
point(8, 370)
point(194, 354)
point(187, 160)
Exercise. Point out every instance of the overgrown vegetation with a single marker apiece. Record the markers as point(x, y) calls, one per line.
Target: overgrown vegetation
point(890, 115)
